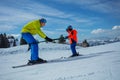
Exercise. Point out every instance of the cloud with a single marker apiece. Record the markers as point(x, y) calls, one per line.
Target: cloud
point(116, 27)
point(81, 20)
point(104, 6)
point(24, 6)
point(110, 33)
point(12, 18)
point(97, 31)
point(6, 28)
point(15, 14)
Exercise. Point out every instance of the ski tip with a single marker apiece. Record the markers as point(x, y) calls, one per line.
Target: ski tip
point(27, 65)
point(13, 67)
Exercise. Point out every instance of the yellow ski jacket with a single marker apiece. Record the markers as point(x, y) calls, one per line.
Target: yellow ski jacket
point(33, 28)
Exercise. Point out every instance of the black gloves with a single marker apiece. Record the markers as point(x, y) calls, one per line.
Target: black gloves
point(48, 39)
point(71, 39)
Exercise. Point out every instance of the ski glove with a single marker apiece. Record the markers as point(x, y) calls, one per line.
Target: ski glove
point(48, 39)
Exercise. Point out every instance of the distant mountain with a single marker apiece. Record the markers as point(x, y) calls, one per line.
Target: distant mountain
point(102, 40)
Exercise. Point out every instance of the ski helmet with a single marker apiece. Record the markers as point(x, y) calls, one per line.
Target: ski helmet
point(42, 20)
point(69, 28)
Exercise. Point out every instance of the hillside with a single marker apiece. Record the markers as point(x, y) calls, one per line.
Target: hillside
point(100, 63)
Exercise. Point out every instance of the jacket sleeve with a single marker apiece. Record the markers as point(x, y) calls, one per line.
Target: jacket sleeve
point(39, 31)
point(41, 34)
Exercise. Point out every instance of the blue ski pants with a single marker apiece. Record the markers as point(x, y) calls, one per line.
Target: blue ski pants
point(33, 45)
point(72, 46)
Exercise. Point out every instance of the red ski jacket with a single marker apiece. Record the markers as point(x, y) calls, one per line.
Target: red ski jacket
point(72, 35)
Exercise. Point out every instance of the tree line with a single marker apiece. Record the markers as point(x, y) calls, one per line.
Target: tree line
point(7, 41)
point(10, 41)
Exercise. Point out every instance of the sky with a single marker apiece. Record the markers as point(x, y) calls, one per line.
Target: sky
point(91, 18)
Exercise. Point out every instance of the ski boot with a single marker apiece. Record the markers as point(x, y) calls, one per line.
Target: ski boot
point(74, 55)
point(32, 62)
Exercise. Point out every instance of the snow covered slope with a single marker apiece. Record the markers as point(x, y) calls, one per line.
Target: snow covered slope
point(101, 63)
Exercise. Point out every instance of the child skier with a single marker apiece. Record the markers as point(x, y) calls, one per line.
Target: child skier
point(32, 28)
point(72, 36)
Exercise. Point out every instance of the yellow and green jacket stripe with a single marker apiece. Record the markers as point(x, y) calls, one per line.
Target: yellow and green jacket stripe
point(34, 28)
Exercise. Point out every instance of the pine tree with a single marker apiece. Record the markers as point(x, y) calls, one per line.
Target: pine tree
point(1, 37)
point(3, 41)
point(62, 39)
point(6, 42)
point(14, 43)
point(85, 43)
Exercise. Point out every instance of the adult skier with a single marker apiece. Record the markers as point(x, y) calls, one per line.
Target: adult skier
point(30, 29)
point(72, 36)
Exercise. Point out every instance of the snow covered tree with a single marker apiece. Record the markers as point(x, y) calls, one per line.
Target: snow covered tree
point(4, 43)
point(85, 43)
point(14, 43)
point(61, 39)
point(1, 41)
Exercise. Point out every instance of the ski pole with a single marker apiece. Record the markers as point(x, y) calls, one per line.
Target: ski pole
point(40, 42)
point(46, 41)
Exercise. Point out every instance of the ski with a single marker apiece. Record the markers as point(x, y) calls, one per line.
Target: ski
point(61, 59)
point(24, 65)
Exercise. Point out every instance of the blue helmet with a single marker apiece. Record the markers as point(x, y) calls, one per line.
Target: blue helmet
point(42, 20)
point(69, 28)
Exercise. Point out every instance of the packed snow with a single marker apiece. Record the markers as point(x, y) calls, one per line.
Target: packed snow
point(97, 63)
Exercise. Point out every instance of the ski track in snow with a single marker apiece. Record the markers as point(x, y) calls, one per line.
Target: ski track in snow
point(98, 63)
